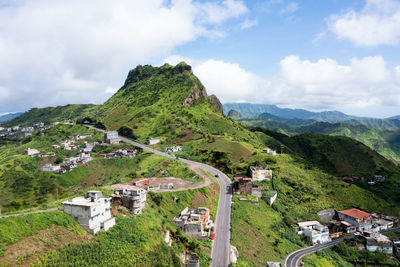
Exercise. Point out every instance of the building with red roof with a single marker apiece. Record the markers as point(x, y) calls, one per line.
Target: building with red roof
point(361, 219)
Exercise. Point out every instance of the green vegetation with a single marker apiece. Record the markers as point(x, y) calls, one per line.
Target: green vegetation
point(140, 240)
point(170, 103)
point(13, 229)
point(52, 114)
point(24, 186)
point(344, 255)
point(379, 135)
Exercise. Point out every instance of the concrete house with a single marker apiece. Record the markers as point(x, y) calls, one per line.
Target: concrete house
point(152, 141)
point(31, 152)
point(270, 197)
point(51, 168)
point(360, 219)
point(173, 149)
point(317, 232)
point(268, 150)
point(245, 186)
point(112, 138)
point(381, 224)
point(194, 221)
point(93, 212)
point(260, 173)
point(379, 243)
point(133, 199)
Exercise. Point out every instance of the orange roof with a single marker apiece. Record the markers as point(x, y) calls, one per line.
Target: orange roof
point(355, 213)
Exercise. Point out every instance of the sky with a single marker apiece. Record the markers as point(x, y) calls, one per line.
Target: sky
point(318, 55)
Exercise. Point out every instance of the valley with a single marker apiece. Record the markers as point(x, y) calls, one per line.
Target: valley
point(168, 107)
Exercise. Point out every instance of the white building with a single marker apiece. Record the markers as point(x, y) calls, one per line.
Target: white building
point(317, 232)
point(152, 141)
point(173, 149)
point(112, 138)
point(51, 168)
point(261, 173)
point(93, 212)
point(380, 243)
point(268, 150)
point(31, 152)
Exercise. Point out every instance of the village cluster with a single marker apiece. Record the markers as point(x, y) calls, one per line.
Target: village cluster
point(93, 211)
point(371, 180)
point(352, 222)
point(84, 155)
point(19, 132)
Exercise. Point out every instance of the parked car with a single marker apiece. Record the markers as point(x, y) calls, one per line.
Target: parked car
point(212, 236)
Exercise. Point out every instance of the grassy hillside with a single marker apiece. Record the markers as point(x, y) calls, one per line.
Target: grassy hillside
point(23, 186)
point(384, 139)
point(52, 114)
point(134, 240)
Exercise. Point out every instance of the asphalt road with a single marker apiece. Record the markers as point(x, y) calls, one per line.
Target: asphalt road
point(294, 258)
point(221, 244)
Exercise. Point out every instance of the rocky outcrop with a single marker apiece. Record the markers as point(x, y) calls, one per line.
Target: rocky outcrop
point(216, 103)
point(234, 255)
point(235, 114)
point(196, 93)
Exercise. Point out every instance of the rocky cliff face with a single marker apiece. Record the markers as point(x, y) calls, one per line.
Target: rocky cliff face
point(235, 113)
point(216, 103)
point(197, 93)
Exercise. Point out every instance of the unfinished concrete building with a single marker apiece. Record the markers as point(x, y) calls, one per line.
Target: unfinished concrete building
point(133, 199)
point(194, 222)
point(93, 212)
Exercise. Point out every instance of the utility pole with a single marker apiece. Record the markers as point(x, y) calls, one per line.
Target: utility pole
point(282, 146)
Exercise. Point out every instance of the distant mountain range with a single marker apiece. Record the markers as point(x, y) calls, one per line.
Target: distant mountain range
point(9, 116)
point(255, 110)
point(382, 135)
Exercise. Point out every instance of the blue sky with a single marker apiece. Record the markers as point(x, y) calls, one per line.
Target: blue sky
point(318, 55)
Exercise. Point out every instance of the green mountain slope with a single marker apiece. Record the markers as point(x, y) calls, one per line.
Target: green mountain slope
point(167, 102)
point(7, 117)
point(170, 103)
point(52, 114)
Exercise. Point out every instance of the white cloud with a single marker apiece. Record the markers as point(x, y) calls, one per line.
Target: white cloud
point(228, 81)
point(59, 52)
point(110, 90)
point(212, 12)
point(289, 8)
point(397, 69)
point(378, 23)
point(359, 87)
point(175, 59)
point(247, 23)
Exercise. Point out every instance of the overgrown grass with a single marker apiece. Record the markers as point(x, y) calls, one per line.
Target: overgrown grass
point(13, 229)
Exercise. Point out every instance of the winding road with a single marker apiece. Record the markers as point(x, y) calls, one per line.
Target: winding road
point(221, 244)
point(294, 258)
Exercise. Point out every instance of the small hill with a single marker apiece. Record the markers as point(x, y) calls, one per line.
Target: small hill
point(167, 102)
point(338, 155)
point(7, 117)
point(235, 114)
point(253, 110)
point(52, 114)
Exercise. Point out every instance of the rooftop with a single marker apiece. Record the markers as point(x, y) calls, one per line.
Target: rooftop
point(355, 213)
point(309, 223)
point(81, 201)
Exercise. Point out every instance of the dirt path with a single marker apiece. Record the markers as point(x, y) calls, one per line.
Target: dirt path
point(29, 212)
point(207, 181)
point(179, 184)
